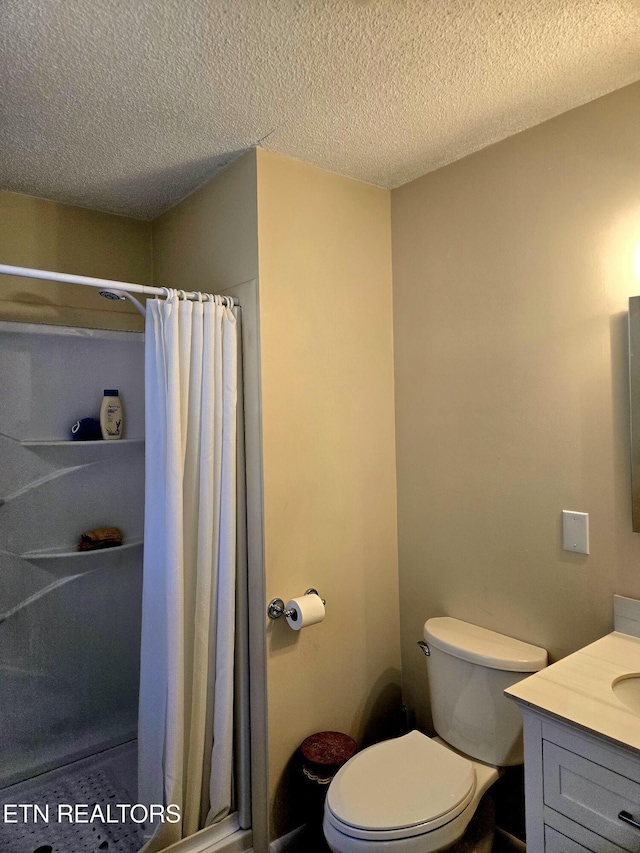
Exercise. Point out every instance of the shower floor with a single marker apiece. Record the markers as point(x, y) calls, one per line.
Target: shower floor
point(106, 780)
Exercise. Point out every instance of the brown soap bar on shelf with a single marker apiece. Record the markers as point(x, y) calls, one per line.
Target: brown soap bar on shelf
point(102, 537)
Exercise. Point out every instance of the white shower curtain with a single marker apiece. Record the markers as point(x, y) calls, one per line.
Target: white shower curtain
point(188, 621)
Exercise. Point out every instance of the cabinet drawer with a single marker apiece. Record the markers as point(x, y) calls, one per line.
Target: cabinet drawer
point(591, 795)
point(570, 832)
point(554, 842)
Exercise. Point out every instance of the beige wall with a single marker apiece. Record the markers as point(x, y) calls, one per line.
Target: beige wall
point(512, 270)
point(328, 435)
point(47, 235)
point(329, 468)
point(209, 240)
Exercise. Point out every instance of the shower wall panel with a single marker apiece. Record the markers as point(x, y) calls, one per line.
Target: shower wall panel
point(69, 620)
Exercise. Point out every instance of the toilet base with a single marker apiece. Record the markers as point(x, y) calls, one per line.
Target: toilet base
point(477, 837)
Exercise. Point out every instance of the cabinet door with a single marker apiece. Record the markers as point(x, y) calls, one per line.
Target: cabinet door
point(555, 842)
point(591, 795)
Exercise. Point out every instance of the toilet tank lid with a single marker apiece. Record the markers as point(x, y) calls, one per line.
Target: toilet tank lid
point(481, 646)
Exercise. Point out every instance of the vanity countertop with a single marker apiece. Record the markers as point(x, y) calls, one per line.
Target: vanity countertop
point(578, 688)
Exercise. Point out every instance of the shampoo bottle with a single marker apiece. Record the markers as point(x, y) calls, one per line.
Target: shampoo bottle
point(111, 420)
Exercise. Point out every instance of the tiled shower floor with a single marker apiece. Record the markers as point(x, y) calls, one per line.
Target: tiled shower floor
point(104, 779)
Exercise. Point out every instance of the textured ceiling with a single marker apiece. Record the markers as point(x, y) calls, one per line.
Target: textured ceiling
point(128, 105)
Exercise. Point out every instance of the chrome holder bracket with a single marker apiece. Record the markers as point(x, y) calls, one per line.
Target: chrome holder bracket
point(276, 607)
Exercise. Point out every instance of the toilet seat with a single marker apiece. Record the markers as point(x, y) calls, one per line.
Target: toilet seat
point(400, 788)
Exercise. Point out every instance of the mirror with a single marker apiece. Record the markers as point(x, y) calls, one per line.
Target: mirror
point(634, 405)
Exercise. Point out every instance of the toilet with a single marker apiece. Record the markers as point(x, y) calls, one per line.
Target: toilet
point(416, 794)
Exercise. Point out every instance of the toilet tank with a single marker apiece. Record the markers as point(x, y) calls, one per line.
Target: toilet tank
point(468, 669)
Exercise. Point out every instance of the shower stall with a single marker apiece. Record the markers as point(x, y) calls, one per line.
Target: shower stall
point(69, 619)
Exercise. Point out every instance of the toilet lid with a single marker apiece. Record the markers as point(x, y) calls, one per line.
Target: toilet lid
point(401, 783)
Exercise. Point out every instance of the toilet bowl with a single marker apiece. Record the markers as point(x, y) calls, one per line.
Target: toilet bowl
point(416, 794)
point(412, 794)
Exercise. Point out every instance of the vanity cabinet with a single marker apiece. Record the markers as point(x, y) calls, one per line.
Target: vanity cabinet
point(577, 786)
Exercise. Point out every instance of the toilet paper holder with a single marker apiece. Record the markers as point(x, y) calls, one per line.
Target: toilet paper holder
point(276, 607)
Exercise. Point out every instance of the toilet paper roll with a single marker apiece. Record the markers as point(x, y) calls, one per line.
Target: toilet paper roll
point(306, 610)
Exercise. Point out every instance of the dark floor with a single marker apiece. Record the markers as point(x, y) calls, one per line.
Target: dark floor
point(311, 840)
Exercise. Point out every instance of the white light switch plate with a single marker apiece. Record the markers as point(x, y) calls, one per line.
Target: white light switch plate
point(575, 531)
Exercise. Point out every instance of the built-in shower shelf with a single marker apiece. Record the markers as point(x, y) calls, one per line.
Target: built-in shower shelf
point(70, 453)
point(64, 553)
point(69, 443)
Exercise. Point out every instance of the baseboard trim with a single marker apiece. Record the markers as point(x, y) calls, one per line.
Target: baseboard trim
point(507, 843)
point(287, 842)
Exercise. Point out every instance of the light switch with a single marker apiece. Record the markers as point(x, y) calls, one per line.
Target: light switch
point(575, 531)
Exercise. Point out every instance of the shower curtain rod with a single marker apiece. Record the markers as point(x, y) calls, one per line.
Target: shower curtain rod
point(104, 283)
